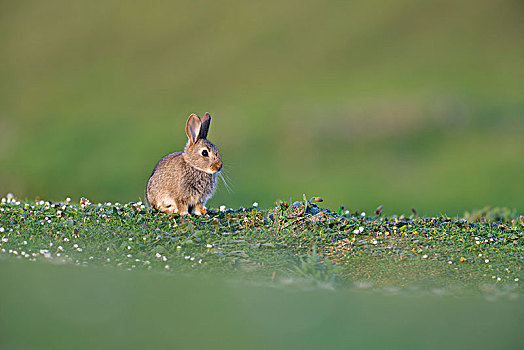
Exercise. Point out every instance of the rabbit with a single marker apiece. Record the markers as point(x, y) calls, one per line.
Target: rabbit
point(182, 182)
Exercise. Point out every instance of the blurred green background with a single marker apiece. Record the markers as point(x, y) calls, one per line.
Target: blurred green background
point(405, 103)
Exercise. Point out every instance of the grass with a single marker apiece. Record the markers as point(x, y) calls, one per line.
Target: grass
point(286, 241)
point(291, 276)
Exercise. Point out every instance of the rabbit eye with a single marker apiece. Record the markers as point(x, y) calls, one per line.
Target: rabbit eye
point(204, 153)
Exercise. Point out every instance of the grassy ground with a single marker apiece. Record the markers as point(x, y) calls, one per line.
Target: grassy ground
point(293, 276)
point(285, 241)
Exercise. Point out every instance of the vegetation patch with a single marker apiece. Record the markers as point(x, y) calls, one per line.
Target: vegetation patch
point(289, 242)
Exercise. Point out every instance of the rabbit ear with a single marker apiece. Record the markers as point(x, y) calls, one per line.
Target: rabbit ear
point(204, 129)
point(193, 126)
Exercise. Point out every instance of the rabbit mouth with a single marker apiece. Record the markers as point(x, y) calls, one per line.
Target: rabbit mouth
point(214, 168)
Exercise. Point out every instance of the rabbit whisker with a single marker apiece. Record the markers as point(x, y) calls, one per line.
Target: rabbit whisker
point(222, 176)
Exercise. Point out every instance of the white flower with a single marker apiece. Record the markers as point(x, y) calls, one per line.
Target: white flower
point(128, 247)
point(486, 261)
point(192, 258)
point(78, 249)
point(178, 247)
point(450, 262)
point(158, 255)
point(516, 279)
point(66, 239)
point(498, 278)
point(68, 200)
point(108, 260)
point(129, 255)
point(361, 229)
point(75, 245)
point(130, 239)
point(4, 240)
point(164, 258)
point(222, 208)
point(363, 213)
point(200, 262)
point(424, 256)
point(208, 246)
point(346, 212)
point(2, 229)
point(187, 257)
point(356, 231)
point(374, 241)
point(166, 267)
point(255, 204)
point(480, 255)
point(50, 244)
point(60, 248)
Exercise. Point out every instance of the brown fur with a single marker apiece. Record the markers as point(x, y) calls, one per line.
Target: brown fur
point(180, 182)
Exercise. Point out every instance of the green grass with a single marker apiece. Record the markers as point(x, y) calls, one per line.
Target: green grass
point(292, 276)
point(267, 245)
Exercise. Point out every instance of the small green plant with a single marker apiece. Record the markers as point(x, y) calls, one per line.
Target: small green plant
point(315, 266)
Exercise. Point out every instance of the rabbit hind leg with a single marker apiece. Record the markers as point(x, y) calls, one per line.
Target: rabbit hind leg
point(183, 208)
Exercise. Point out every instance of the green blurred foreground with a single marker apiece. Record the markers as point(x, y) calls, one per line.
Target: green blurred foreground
point(405, 104)
point(46, 306)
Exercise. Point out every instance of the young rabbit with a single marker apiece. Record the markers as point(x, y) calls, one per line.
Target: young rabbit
point(182, 182)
